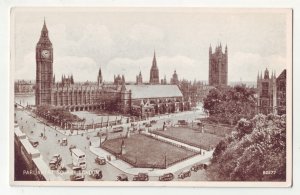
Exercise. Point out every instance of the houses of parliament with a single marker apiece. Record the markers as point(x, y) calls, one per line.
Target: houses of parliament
point(140, 99)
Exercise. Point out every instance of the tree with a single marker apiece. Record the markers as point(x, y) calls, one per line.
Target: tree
point(255, 151)
point(230, 104)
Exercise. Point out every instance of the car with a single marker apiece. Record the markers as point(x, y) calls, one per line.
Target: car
point(96, 173)
point(34, 143)
point(166, 177)
point(153, 122)
point(184, 174)
point(100, 160)
point(197, 167)
point(141, 177)
point(122, 177)
point(64, 142)
point(55, 162)
point(77, 174)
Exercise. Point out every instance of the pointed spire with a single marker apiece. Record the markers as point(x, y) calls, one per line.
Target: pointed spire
point(45, 26)
point(154, 60)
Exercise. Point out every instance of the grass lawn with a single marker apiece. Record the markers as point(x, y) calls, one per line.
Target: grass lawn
point(145, 150)
point(193, 137)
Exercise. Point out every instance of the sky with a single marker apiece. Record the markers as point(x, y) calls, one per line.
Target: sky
point(123, 40)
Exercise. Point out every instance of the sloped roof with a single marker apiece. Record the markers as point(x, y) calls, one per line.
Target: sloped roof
point(282, 75)
point(153, 91)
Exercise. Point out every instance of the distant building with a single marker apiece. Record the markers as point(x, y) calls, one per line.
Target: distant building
point(139, 79)
point(281, 93)
point(174, 79)
point(154, 72)
point(164, 81)
point(218, 66)
point(150, 100)
point(118, 80)
point(271, 93)
point(23, 87)
point(66, 81)
point(99, 78)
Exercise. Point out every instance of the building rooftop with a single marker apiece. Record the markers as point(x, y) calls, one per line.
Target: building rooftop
point(153, 91)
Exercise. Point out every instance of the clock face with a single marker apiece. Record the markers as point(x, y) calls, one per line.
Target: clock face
point(45, 54)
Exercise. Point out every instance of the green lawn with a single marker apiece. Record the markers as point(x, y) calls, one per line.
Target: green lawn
point(193, 137)
point(145, 150)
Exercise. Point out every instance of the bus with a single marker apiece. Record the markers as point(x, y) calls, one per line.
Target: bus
point(78, 158)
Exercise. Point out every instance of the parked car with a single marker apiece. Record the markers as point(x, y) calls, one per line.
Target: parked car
point(55, 162)
point(141, 177)
point(184, 174)
point(34, 143)
point(153, 122)
point(100, 160)
point(96, 173)
point(197, 167)
point(166, 177)
point(122, 177)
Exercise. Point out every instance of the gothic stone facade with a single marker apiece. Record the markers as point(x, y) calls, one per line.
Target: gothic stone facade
point(218, 66)
point(118, 96)
point(271, 93)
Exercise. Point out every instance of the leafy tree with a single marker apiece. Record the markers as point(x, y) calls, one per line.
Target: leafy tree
point(255, 151)
point(230, 104)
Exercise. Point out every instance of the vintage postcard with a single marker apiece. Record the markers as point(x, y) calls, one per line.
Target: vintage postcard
point(150, 96)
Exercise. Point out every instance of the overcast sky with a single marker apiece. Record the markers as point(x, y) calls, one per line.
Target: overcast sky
point(123, 41)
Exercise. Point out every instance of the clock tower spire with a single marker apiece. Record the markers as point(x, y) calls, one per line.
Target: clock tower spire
point(44, 68)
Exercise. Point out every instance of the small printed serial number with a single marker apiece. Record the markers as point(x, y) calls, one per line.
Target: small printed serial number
point(269, 172)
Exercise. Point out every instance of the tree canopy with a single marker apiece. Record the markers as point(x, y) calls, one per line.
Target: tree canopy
point(228, 105)
point(255, 151)
point(59, 113)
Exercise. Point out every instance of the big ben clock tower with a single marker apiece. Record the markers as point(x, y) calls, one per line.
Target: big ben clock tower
point(44, 69)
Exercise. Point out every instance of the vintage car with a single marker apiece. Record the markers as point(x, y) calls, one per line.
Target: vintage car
point(197, 167)
point(77, 174)
point(64, 142)
point(141, 177)
point(96, 173)
point(166, 177)
point(100, 160)
point(184, 174)
point(153, 121)
point(122, 177)
point(34, 143)
point(55, 162)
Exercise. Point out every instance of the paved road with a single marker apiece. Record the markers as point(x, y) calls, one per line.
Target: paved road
point(33, 129)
